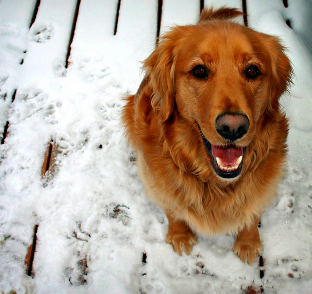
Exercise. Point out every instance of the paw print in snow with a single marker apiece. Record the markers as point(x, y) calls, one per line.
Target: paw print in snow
point(286, 203)
point(111, 111)
point(3, 214)
point(32, 102)
point(119, 213)
point(58, 66)
point(289, 267)
point(93, 69)
point(77, 265)
point(49, 114)
point(42, 33)
point(201, 269)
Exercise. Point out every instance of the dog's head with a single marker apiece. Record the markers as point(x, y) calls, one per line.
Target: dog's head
point(222, 78)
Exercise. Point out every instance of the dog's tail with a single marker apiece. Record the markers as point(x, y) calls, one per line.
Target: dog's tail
point(223, 13)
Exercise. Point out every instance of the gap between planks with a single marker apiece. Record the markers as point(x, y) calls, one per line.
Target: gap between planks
point(34, 16)
point(29, 260)
point(72, 34)
point(47, 158)
point(7, 124)
point(159, 16)
point(117, 17)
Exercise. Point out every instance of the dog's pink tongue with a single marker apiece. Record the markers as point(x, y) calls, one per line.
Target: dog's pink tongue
point(227, 154)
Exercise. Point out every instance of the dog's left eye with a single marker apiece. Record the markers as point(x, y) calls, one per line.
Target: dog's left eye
point(252, 72)
point(200, 72)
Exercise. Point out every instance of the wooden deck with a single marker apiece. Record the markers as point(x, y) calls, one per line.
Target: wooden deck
point(115, 29)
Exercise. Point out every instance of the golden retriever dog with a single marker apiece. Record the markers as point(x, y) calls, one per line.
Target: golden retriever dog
point(208, 129)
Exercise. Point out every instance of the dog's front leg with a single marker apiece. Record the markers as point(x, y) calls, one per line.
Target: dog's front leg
point(248, 244)
point(180, 236)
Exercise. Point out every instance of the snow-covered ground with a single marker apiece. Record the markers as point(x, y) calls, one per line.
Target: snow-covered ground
point(92, 209)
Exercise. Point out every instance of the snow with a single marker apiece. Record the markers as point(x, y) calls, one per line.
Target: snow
point(92, 208)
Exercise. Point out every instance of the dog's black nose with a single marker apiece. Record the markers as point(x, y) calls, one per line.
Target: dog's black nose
point(232, 126)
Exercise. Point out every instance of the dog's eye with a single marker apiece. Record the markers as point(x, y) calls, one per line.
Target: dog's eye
point(200, 72)
point(252, 72)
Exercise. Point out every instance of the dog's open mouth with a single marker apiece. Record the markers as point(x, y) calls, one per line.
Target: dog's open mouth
point(227, 161)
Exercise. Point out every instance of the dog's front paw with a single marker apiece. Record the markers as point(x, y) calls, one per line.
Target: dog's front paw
point(247, 251)
point(182, 242)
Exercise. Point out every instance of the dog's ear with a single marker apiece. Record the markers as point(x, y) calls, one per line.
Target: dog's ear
point(281, 71)
point(160, 70)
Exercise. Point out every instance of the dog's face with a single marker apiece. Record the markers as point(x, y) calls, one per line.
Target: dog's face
point(224, 79)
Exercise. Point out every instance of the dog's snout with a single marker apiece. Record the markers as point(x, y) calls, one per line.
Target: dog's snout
point(232, 126)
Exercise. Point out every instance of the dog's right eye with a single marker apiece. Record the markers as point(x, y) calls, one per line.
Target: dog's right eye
point(200, 72)
point(252, 72)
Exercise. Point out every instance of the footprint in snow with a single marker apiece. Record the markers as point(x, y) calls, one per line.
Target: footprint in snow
point(91, 69)
point(30, 102)
point(42, 33)
point(289, 267)
point(3, 214)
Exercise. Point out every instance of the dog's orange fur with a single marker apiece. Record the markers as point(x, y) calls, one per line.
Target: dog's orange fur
point(162, 123)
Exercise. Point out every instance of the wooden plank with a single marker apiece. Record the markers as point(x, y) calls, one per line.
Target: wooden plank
point(94, 28)
point(17, 12)
point(256, 10)
point(187, 12)
point(182, 12)
point(220, 3)
point(299, 18)
point(49, 37)
point(137, 30)
point(228, 3)
point(134, 39)
point(15, 19)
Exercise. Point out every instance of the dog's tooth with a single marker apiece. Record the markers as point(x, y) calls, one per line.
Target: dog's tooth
point(219, 162)
point(239, 160)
